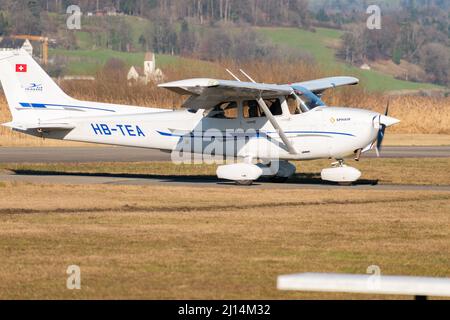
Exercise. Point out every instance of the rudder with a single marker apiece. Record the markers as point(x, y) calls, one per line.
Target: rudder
point(27, 86)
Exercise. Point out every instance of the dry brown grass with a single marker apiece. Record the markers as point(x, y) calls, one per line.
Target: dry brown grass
point(429, 171)
point(177, 243)
point(419, 115)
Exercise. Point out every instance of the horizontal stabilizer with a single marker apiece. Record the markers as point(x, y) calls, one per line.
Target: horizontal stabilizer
point(39, 126)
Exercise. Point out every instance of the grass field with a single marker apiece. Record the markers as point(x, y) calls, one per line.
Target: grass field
point(88, 62)
point(93, 30)
point(178, 243)
point(321, 45)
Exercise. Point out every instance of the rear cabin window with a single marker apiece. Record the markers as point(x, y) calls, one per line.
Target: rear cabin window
point(224, 110)
point(251, 108)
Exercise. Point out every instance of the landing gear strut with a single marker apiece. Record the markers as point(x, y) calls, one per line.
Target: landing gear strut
point(279, 171)
point(338, 163)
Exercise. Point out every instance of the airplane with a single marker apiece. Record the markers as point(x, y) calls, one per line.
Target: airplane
point(261, 126)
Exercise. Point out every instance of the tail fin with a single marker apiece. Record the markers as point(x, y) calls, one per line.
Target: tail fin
point(27, 87)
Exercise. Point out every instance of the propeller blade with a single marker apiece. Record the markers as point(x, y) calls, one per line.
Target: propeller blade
point(381, 131)
point(380, 136)
point(377, 152)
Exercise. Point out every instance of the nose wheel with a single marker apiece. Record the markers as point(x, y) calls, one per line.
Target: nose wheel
point(339, 164)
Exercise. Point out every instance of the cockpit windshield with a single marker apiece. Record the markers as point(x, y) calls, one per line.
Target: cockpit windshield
point(307, 99)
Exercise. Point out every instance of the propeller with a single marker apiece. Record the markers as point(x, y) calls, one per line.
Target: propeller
point(381, 131)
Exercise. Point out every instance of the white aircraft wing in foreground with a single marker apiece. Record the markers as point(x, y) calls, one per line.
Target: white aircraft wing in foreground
point(262, 126)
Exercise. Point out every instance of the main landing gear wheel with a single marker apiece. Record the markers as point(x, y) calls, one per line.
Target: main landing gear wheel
point(244, 182)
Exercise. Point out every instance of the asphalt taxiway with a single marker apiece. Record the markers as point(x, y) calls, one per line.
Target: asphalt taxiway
point(126, 154)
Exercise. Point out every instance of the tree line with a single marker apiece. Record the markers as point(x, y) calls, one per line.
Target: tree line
point(419, 35)
point(417, 31)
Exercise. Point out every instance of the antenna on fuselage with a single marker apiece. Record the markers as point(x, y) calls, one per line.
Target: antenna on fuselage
point(231, 73)
point(248, 77)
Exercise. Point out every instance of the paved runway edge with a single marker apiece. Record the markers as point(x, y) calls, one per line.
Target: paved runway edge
point(126, 154)
point(207, 182)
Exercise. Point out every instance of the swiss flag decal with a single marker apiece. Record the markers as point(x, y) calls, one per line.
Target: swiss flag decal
point(21, 68)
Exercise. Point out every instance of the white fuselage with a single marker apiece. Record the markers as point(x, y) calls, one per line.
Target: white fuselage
point(324, 132)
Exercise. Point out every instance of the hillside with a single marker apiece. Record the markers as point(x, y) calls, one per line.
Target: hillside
point(322, 45)
point(90, 53)
point(88, 62)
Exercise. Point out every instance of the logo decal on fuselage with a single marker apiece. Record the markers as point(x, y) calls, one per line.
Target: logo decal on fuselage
point(34, 87)
point(334, 120)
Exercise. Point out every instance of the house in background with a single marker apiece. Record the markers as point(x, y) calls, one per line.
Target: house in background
point(106, 11)
point(11, 43)
point(149, 72)
point(365, 66)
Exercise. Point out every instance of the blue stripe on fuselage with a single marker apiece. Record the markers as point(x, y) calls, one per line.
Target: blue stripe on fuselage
point(45, 105)
point(168, 134)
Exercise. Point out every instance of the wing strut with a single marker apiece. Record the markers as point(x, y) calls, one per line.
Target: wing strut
point(272, 119)
point(277, 127)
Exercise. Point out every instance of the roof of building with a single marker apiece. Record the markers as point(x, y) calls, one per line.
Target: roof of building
point(149, 56)
point(139, 70)
point(12, 43)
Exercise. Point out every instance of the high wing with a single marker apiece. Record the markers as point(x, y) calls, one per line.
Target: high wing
point(320, 85)
point(206, 93)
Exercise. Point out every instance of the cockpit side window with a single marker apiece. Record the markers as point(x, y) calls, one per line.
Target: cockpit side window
point(224, 110)
point(274, 106)
point(251, 108)
point(293, 105)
